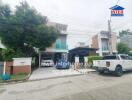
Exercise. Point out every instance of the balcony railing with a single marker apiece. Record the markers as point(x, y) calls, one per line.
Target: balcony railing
point(105, 49)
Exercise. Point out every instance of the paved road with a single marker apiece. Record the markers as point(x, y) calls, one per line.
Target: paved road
point(85, 87)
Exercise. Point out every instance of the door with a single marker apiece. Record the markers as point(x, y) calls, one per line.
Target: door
point(125, 62)
point(130, 62)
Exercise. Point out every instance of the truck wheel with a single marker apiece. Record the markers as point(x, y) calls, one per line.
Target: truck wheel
point(101, 72)
point(118, 71)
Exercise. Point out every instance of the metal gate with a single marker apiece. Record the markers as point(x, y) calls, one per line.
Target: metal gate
point(1, 67)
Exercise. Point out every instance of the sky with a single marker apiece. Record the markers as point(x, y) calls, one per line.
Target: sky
point(84, 18)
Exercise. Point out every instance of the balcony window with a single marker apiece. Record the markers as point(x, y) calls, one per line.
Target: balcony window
point(105, 45)
point(60, 45)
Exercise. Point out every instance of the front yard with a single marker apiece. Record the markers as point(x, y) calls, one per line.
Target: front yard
point(16, 77)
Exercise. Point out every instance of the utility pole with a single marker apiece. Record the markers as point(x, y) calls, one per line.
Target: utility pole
point(110, 35)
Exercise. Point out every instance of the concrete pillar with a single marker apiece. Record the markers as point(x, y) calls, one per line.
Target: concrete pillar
point(100, 45)
point(39, 59)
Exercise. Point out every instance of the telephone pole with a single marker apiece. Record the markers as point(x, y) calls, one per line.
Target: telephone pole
point(110, 35)
point(110, 32)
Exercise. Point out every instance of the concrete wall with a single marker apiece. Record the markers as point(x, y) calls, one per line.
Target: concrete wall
point(21, 69)
point(22, 61)
point(1, 67)
point(95, 42)
point(58, 26)
point(114, 43)
point(22, 65)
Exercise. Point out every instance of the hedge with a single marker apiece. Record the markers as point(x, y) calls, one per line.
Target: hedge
point(91, 58)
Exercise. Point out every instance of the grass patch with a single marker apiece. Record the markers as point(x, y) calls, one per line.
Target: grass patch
point(18, 76)
point(1, 79)
point(15, 77)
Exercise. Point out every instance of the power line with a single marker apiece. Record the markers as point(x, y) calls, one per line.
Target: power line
point(117, 2)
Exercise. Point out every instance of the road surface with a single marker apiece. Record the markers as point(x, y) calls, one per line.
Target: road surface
point(84, 87)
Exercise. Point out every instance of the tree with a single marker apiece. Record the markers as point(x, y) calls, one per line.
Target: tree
point(24, 29)
point(125, 32)
point(123, 48)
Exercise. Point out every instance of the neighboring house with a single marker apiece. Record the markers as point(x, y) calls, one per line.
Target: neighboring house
point(81, 52)
point(59, 48)
point(80, 44)
point(127, 39)
point(101, 42)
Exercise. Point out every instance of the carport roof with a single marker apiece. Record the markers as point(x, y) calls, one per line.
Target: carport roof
point(84, 48)
point(81, 50)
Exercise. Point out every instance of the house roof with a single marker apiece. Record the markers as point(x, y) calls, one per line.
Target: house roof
point(117, 7)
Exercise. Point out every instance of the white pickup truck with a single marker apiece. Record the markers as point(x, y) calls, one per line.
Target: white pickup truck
point(114, 63)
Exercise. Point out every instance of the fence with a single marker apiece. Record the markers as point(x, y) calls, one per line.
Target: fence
point(80, 65)
point(1, 67)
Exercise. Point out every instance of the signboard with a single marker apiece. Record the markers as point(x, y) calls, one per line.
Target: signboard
point(22, 61)
point(117, 10)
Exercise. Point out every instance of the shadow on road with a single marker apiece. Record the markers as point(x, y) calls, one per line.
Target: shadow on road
point(113, 75)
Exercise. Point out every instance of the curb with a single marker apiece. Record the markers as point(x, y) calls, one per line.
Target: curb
point(85, 72)
point(55, 77)
point(27, 78)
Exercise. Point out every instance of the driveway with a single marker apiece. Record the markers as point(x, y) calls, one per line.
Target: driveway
point(84, 87)
point(52, 72)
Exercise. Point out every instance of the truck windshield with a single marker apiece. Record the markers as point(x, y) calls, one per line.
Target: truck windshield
point(125, 57)
point(109, 57)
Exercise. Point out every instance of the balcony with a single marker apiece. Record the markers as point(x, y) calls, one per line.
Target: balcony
point(61, 46)
point(105, 36)
point(63, 32)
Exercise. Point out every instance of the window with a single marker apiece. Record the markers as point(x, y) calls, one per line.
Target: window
point(109, 57)
point(105, 46)
point(124, 57)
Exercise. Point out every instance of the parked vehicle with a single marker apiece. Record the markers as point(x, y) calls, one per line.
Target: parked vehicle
point(63, 64)
point(47, 63)
point(114, 63)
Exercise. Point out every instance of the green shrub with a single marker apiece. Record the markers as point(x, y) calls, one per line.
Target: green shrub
point(9, 53)
point(91, 58)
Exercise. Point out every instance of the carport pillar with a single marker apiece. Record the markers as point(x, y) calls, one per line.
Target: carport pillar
point(4, 70)
point(39, 59)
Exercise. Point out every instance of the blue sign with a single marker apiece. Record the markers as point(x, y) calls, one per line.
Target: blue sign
point(117, 10)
